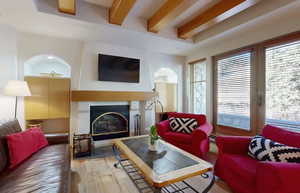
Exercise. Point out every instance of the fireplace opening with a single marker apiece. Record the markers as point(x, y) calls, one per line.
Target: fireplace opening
point(108, 122)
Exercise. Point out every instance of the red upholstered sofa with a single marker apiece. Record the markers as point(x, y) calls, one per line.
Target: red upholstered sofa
point(196, 143)
point(247, 175)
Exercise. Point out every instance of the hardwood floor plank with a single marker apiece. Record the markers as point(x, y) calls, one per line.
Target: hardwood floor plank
point(100, 176)
point(125, 183)
point(110, 184)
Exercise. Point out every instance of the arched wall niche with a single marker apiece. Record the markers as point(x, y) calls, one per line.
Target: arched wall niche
point(165, 75)
point(47, 65)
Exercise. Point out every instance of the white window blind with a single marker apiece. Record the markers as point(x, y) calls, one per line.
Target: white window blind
point(233, 91)
point(283, 86)
point(198, 87)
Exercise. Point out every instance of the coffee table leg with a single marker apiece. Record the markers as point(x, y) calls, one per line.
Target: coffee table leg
point(157, 190)
point(117, 156)
point(212, 182)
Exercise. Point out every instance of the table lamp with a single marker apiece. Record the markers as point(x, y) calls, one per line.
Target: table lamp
point(17, 89)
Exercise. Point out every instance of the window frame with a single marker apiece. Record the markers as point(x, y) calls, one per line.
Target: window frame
point(258, 94)
point(192, 82)
point(226, 129)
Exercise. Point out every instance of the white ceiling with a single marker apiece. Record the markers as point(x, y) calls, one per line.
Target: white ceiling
point(145, 8)
point(90, 23)
point(103, 3)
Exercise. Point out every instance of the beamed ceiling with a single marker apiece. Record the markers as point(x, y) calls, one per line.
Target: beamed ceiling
point(186, 17)
point(177, 27)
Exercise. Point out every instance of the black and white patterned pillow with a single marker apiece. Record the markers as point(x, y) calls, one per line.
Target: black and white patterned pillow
point(264, 149)
point(183, 125)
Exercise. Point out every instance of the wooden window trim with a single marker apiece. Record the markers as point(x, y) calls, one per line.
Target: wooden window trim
point(285, 39)
point(197, 61)
point(258, 82)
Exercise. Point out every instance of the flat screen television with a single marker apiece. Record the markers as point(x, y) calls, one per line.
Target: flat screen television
point(118, 69)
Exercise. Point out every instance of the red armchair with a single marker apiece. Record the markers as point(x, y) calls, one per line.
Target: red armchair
point(196, 143)
point(247, 175)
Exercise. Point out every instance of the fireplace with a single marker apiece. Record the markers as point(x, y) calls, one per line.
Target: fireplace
point(108, 122)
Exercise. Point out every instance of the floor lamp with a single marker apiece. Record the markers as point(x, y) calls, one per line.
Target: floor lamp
point(17, 89)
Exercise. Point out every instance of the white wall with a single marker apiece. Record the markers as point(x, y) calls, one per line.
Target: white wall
point(83, 59)
point(30, 45)
point(150, 63)
point(275, 24)
point(8, 70)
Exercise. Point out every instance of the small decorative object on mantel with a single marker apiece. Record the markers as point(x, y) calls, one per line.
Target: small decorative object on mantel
point(153, 138)
point(52, 74)
point(82, 145)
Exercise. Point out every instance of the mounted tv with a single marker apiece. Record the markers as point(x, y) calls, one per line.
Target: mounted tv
point(118, 69)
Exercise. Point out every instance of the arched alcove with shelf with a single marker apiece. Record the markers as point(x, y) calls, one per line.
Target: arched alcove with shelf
point(49, 79)
point(47, 65)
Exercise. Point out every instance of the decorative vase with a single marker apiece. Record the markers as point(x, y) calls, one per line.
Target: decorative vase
point(153, 137)
point(152, 146)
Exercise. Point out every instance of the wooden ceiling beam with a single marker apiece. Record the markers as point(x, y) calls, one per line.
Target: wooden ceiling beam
point(67, 6)
point(164, 15)
point(119, 10)
point(190, 29)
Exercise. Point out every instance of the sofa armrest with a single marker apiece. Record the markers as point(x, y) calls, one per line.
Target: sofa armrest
point(200, 133)
point(200, 139)
point(233, 144)
point(206, 128)
point(163, 127)
point(277, 177)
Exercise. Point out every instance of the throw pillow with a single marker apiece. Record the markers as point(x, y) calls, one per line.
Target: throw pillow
point(39, 138)
point(264, 149)
point(23, 144)
point(183, 125)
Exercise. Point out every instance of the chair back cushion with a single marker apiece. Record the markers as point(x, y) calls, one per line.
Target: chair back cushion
point(201, 119)
point(282, 135)
point(6, 129)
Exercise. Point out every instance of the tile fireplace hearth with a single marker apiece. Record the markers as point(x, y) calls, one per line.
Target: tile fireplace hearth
point(109, 121)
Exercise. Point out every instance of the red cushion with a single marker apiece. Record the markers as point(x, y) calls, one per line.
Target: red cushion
point(242, 166)
point(39, 138)
point(178, 137)
point(282, 135)
point(201, 119)
point(23, 144)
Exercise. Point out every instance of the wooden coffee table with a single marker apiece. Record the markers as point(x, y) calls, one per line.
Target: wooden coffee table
point(166, 167)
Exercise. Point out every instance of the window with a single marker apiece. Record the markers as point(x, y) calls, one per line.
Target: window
point(198, 87)
point(257, 86)
point(233, 84)
point(283, 85)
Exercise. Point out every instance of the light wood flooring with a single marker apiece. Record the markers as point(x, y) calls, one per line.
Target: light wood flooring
point(99, 176)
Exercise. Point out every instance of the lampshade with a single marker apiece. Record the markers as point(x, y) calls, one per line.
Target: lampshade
point(17, 88)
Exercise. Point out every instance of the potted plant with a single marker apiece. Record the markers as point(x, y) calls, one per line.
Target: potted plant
point(153, 138)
